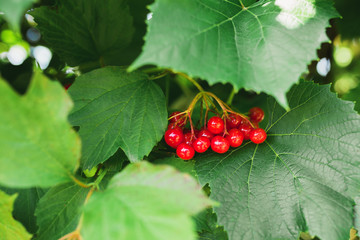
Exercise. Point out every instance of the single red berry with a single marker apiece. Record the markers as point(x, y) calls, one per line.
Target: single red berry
point(179, 120)
point(205, 133)
point(246, 129)
point(220, 144)
point(233, 121)
point(258, 135)
point(188, 138)
point(67, 86)
point(185, 151)
point(256, 114)
point(201, 144)
point(173, 137)
point(235, 137)
point(215, 125)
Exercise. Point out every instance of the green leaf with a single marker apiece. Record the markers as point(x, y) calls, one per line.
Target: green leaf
point(145, 202)
point(250, 48)
point(181, 165)
point(124, 110)
point(94, 32)
point(37, 145)
point(25, 204)
point(59, 211)
point(302, 178)
point(354, 95)
point(14, 11)
point(9, 228)
point(207, 228)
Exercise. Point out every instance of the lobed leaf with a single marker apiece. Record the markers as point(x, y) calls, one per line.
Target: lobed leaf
point(58, 212)
point(37, 145)
point(9, 228)
point(92, 32)
point(302, 178)
point(250, 48)
point(145, 202)
point(117, 109)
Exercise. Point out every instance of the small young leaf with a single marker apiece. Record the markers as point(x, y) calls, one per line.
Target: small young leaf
point(145, 202)
point(59, 211)
point(9, 228)
point(117, 109)
point(302, 178)
point(250, 47)
point(37, 145)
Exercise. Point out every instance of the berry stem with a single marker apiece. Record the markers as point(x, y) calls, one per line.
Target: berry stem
point(81, 184)
point(231, 97)
point(191, 126)
point(197, 85)
point(226, 108)
point(163, 74)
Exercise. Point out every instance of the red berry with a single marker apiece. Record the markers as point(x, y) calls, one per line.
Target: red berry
point(258, 135)
point(246, 129)
point(256, 114)
point(201, 144)
point(235, 137)
point(188, 138)
point(178, 120)
point(205, 133)
point(220, 144)
point(185, 151)
point(67, 86)
point(215, 125)
point(173, 137)
point(233, 121)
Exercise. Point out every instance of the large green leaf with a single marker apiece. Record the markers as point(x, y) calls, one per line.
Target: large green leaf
point(250, 48)
point(181, 165)
point(9, 228)
point(302, 178)
point(25, 205)
point(59, 211)
point(93, 31)
point(14, 11)
point(145, 202)
point(354, 95)
point(207, 227)
point(116, 109)
point(37, 145)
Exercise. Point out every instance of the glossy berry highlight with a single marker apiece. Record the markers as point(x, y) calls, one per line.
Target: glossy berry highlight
point(233, 121)
point(173, 137)
point(185, 151)
point(258, 135)
point(235, 137)
point(256, 114)
point(201, 144)
point(220, 144)
point(215, 125)
point(246, 129)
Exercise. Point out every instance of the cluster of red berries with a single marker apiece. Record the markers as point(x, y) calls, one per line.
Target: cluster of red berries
point(220, 135)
